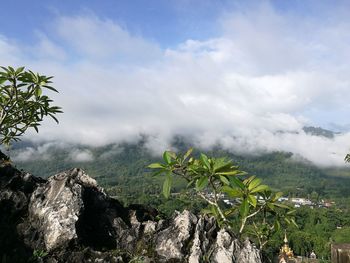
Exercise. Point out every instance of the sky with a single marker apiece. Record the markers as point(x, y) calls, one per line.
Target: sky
point(246, 75)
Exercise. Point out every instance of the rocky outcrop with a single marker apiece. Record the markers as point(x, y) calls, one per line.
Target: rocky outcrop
point(69, 218)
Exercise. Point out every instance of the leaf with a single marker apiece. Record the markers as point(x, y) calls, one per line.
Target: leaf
point(248, 180)
point(50, 88)
point(294, 223)
point(271, 206)
point(214, 211)
point(260, 188)
point(19, 70)
point(167, 157)
point(252, 200)
point(236, 172)
point(236, 182)
point(53, 117)
point(222, 165)
point(244, 208)
point(277, 196)
point(4, 68)
point(172, 154)
point(190, 183)
point(230, 211)
point(205, 160)
point(277, 225)
point(291, 212)
point(232, 192)
point(3, 80)
point(224, 180)
point(38, 92)
point(254, 183)
point(347, 158)
point(187, 154)
point(167, 186)
point(281, 206)
point(155, 166)
point(201, 183)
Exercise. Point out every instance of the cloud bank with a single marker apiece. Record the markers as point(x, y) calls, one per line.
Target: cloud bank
point(251, 89)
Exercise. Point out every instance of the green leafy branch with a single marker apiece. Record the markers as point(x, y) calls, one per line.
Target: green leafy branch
point(213, 178)
point(22, 102)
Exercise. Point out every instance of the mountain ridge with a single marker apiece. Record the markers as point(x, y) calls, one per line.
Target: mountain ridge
point(125, 164)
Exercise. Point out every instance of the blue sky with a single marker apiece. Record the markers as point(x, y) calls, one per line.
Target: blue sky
point(167, 22)
point(234, 73)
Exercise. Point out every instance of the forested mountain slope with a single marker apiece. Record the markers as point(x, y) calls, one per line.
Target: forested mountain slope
point(125, 165)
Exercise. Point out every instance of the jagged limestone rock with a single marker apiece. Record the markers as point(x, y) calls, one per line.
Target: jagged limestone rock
point(55, 207)
point(223, 248)
point(195, 240)
point(71, 218)
point(196, 251)
point(246, 252)
point(170, 242)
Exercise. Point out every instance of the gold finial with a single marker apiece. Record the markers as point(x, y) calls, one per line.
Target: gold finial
point(285, 236)
point(286, 251)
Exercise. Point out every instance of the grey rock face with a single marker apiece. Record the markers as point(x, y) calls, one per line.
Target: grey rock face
point(193, 239)
point(70, 218)
point(171, 242)
point(224, 248)
point(55, 207)
point(247, 252)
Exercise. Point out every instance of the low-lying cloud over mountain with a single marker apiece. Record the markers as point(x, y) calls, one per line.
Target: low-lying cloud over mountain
point(251, 88)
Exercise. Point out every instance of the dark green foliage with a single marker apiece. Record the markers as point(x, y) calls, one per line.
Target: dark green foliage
point(341, 235)
point(318, 229)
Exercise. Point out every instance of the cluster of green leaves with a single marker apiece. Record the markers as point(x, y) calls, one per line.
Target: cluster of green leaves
point(22, 102)
point(214, 178)
point(347, 158)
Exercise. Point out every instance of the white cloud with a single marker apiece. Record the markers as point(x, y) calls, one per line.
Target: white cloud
point(263, 75)
point(83, 155)
point(92, 37)
point(46, 151)
point(115, 149)
point(47, 49)
point(40, 152)
point(9, 52)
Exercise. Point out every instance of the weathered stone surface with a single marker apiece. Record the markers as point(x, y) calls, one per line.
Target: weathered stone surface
point(55, 207)
point(246, 252)
point(203, 238)
point(171, 242)
point(69, 218)
point(223, 248)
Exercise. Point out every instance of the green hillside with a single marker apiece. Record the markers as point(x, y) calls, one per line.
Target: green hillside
point(125, 165)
